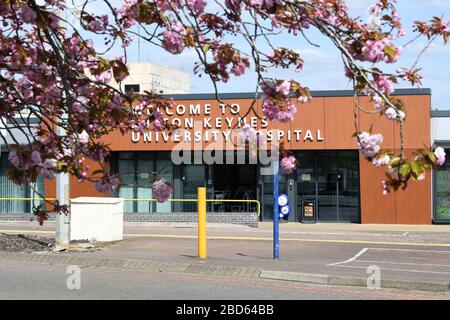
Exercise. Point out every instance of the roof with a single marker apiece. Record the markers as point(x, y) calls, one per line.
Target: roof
point(318, 94)
point(440, 113)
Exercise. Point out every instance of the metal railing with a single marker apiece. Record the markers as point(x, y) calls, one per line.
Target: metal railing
point(258, 204)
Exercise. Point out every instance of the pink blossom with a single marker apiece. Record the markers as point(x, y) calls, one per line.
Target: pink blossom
point(27, 14)
point(368, 144)
point(378, 102)
point(238, 69)
point(274, 113)
point(277, 106)
point(384, 188)
point(247, 133)
point(173, 39)
point(105, 76)
point(161, 190)
point(440, 154)
point(83, 137)
point(140, 125)
point(234, 5)
point(284, 88)
point(267, 3)
point(390, 113)
point(14, 159)
point(197, 6)
point(288, 164)
point(107, 185)
point(303, 99)
point(95, 26)
point(36, 158)
point(421, 176)
point(384, 84)
point(373, 51)
point(382, 161)
point(47, 169)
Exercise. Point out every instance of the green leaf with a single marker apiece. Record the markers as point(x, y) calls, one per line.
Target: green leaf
point(416, 167)
point(405, 169)
point(99, 171)
point(432, 157)
point(206, 47)
point(390, 51)
point(394, 163)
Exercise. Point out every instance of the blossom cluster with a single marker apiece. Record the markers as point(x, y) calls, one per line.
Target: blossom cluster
point(161, 190)
point(439, 152)
point(277, 105)
point(288, 164)
point(369, 144)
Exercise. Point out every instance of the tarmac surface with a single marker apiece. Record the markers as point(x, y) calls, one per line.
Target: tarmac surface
point(402, 254)
point(49, 282)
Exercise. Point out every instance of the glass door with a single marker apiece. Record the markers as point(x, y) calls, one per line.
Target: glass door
point(307, 186)
point(327, 178)
point(331, 178)
point(348, 164)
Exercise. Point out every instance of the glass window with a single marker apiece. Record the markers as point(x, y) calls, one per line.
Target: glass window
point(136, 171)
point(127, 172)
point(193, 177)
point(132, 88)
point(144, 176)
point(164, 168)
point(9, 189)
point(442, 191)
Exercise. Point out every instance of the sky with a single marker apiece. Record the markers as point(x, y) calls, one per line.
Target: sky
point(323, 68)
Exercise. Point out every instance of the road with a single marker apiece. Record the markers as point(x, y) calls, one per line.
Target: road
point(39, 281)
point(418, 254)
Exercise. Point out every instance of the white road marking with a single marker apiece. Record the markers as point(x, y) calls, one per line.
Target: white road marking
point(412, 264)
point(356, 256)
point(416, 250)
point(392, 269)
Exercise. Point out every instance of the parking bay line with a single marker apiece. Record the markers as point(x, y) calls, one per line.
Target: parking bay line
point(392, 269)
point(406, 263)
point(343, 264)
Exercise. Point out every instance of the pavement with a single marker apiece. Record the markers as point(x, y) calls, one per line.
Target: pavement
point(406, 257)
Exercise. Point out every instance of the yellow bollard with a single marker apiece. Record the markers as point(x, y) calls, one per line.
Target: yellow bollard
point(201, 222)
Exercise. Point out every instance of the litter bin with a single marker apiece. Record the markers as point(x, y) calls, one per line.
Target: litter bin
point(309, 211)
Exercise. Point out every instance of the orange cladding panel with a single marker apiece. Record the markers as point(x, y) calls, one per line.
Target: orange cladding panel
point(339, 123)
point(310, 119)
point(375, 207)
